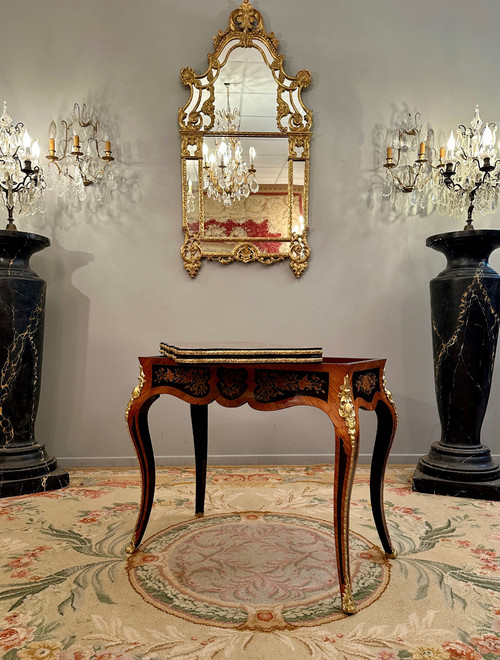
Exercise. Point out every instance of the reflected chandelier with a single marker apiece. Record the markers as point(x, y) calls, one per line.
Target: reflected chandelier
point(76, 171)
point(226, 176)
point(21, 179)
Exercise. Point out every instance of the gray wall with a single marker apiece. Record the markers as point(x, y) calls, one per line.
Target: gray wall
point(116, 285)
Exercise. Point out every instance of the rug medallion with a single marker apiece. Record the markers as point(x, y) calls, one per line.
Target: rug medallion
point(254, 570)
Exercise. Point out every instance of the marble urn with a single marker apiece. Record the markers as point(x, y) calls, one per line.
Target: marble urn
point(25, 465)
point(465, 306)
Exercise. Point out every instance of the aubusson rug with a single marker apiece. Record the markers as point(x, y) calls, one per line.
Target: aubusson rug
point(254, 579)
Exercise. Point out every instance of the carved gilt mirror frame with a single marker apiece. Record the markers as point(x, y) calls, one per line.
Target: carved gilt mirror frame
point(268, 225)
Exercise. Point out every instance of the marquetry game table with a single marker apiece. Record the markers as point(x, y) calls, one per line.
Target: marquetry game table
point(272, 381)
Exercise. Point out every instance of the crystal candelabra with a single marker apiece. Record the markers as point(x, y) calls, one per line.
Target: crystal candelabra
point(81, 162)
point(409, 168)
point(21, 179)
point(226, 175)
point(469, 174)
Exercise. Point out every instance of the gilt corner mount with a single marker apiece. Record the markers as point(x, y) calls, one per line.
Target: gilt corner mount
point(245, 169)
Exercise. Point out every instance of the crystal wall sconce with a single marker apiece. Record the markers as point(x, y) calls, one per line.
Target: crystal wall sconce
point(79, 162)
point(409, 166)
point(21, 179)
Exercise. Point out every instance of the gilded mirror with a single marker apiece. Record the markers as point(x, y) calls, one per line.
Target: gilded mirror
point(245, 147)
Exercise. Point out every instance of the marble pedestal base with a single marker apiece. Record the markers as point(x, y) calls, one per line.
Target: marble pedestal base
point(23, 480)
point(465, 303)
point(458, 471)
point(487, 490)
point(25, 466)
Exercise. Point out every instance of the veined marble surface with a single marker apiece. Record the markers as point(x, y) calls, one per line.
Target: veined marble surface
point(25, 465)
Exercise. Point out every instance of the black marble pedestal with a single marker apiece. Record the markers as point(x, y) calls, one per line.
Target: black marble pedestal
point(465, 304)
point(25, 465)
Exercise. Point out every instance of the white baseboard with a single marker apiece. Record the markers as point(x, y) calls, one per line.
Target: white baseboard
point(228, 459)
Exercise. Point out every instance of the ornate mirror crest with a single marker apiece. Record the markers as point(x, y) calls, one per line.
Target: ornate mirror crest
point(245, 165)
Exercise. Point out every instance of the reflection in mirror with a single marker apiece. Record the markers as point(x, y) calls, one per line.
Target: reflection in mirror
point(261, 213)
point(192, 196)
point(245, 145)
point(298, 197)
point(252, 88)
point(229, 172)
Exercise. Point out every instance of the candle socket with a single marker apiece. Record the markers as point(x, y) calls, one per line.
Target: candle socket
point(389, 162)
point(448, 173)
point(487, 166)
point(27, 169)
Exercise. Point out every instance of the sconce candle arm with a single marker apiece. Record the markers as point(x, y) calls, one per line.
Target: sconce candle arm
point(412, 177)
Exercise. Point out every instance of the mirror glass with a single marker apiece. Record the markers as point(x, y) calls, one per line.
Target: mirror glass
point(193, 196)
point(252, 88)
point(298, 197)
point(261, 216)
point(245, 143)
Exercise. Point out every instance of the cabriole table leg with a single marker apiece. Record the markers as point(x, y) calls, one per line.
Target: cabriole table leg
point(386, 430)
point(345, 466)
point(141, 439)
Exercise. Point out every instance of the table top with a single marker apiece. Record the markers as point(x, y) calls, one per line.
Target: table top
point(250, 352)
